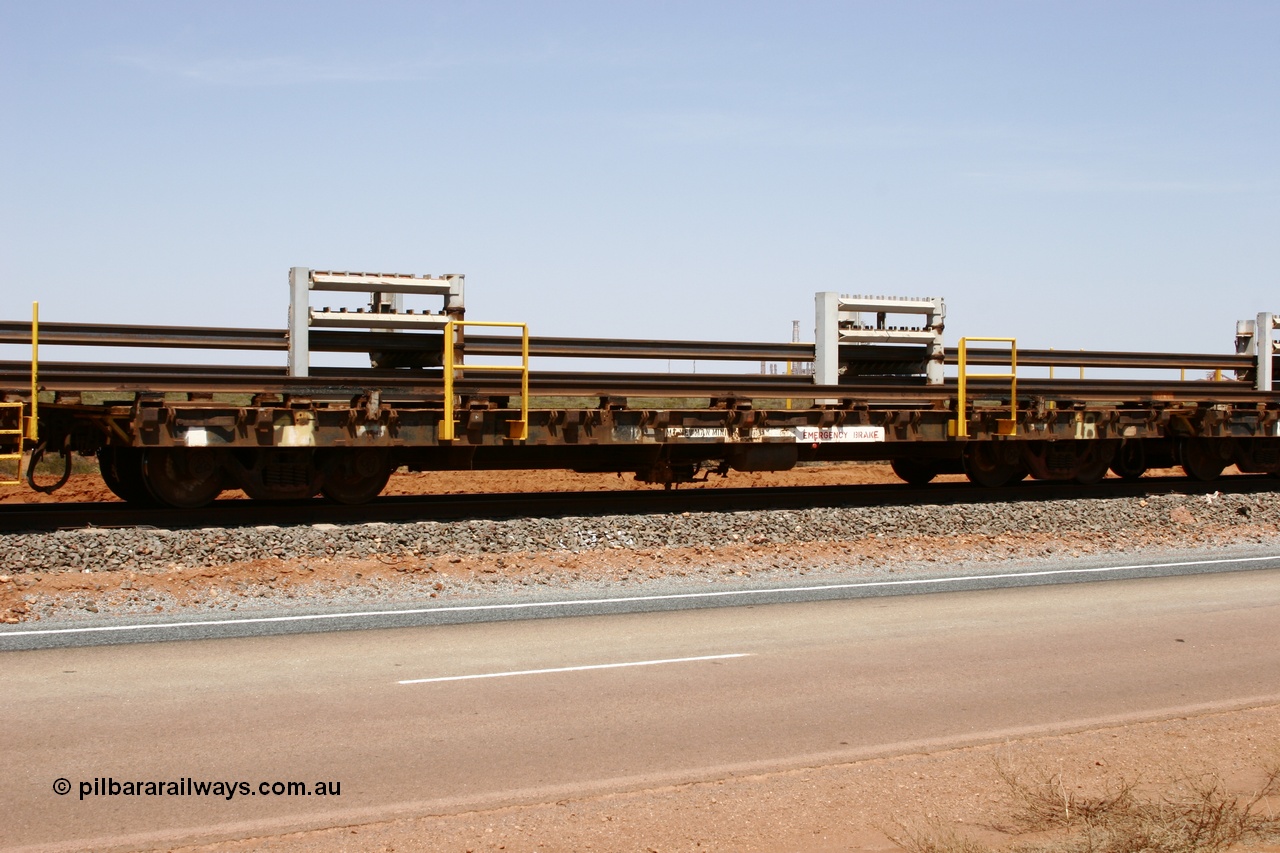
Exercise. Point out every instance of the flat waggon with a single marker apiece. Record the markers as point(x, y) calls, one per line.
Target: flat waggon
point(441, 392)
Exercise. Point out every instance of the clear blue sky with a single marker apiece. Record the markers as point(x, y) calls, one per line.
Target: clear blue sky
point(1102, 175)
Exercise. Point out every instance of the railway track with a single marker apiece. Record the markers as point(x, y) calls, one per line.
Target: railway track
point(35, 518)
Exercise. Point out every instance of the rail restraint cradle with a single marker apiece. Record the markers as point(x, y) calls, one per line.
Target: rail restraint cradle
point(442, 392)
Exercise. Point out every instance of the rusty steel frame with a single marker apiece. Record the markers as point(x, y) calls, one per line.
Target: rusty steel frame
point(713, 433)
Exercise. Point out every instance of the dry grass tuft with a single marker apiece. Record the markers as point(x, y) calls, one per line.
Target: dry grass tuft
point(1196, 814)
point(935, 838)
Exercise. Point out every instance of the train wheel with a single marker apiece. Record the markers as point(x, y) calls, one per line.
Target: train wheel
point(987, 464)
point(121, 470)
point(1092, 467)
point(355, 476)
point(917, 472)
point(1202, 458)
point(182, 478)
point(1130, 461)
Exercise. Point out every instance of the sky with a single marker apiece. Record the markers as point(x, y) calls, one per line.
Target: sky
point(1101, 175)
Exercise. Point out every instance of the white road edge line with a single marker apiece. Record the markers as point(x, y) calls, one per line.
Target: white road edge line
point(571, 668)
point(577, 602)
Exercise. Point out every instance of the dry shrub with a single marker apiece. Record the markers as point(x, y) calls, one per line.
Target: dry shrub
point(1042, 801)
point(1199, 816)
point(1196, 814)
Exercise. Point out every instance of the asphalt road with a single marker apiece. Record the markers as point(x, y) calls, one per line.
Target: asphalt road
point(107, 629)
point(399, 718)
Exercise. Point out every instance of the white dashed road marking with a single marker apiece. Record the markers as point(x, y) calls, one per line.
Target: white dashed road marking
point(569, 669)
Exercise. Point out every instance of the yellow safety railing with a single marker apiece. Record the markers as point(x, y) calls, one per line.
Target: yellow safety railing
point(1003, 426)
point(23, 428)
point(33, 424)
point(446, 431)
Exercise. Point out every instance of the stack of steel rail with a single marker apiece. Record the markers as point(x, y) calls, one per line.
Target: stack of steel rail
point(146, 377)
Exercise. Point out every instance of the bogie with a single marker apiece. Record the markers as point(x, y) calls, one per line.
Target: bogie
point(1084, 462)
point(121, 469)
point(1130, 460)
point(917, 472)
point(993, 464)
point(182, 477)
point(354, 476)
point(1204, 458)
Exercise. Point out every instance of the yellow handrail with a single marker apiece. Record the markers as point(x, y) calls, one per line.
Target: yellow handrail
point(446, 431)
point(1003, 427)
point(33, 425)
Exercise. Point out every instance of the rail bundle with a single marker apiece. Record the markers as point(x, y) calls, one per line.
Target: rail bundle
point(442, 392)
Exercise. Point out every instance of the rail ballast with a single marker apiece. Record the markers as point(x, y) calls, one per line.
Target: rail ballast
point(881, 388)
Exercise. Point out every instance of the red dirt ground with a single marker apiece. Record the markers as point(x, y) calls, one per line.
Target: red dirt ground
point(89, 487)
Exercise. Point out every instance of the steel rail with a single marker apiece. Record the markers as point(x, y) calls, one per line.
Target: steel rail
point(560, 347)
point(117, 335)
point(133, 378)
point(804, 352)
point(343, 382)
point(193, 337)
point(1103, 359)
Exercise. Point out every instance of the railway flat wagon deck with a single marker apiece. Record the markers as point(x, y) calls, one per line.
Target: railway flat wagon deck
point(441, 392)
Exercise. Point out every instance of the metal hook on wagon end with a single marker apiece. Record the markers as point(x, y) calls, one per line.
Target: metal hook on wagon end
point(36, 456)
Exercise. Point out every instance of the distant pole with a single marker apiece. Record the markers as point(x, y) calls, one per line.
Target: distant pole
point(795, 339)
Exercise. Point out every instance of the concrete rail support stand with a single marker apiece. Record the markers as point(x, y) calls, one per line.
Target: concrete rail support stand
point(299, 322)
point(1266, 349)
point(826, 330)
point(1256, 338)
point(843, 335)
point(386, 309)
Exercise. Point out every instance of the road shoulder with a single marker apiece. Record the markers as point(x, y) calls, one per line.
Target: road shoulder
point(854, 806)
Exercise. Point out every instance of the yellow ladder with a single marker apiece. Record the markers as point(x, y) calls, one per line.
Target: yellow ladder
point(11, 438)
point(1004, 426)
point(23, 428)
point(446, 431)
